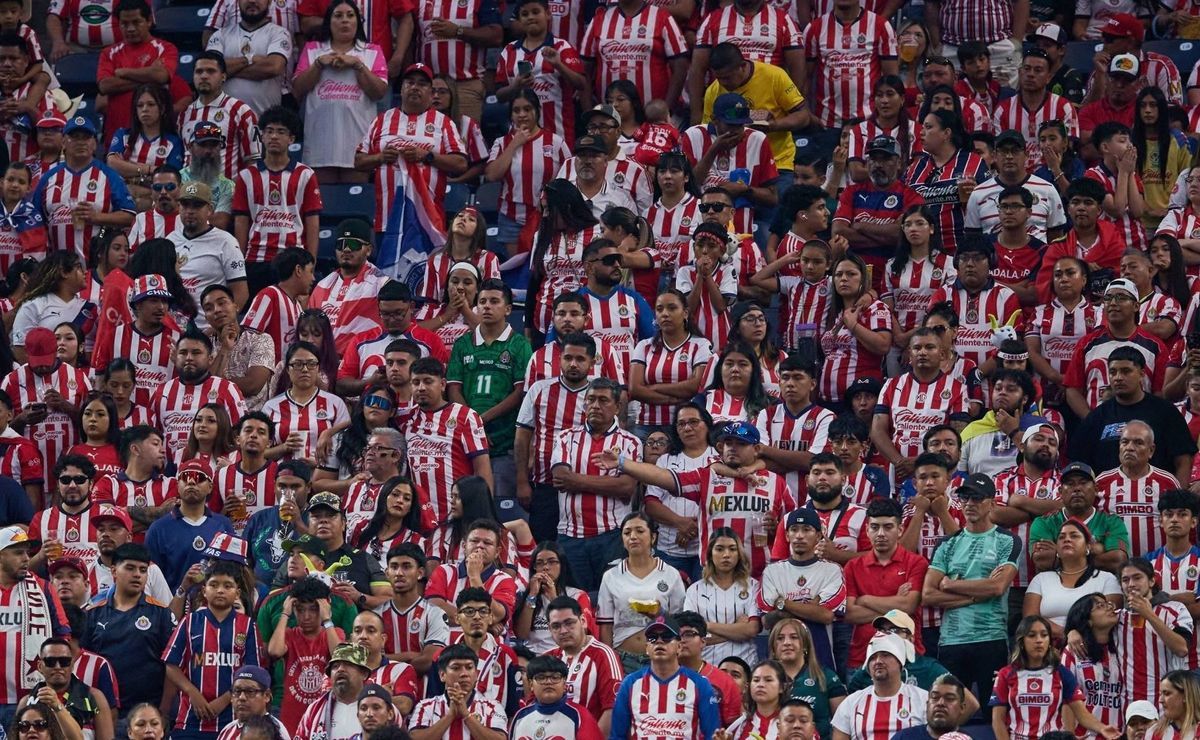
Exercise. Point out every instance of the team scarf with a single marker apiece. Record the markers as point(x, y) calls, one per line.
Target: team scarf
point(39, 627)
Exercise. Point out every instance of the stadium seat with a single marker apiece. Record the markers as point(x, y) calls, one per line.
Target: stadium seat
point(346, 201)
point(495, 119)
point(1080, 55)
point(181, 25)
point(487, 200)
point(187, 64)
point(456, 197)
point(1183, 53)
point(77, 74)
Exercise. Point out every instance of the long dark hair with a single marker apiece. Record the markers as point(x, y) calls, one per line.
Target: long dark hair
point(43, 711)
point(1079, 619)
point(768, 353)
point(756, 394)
point(1174, 282)
point(166, 121)
point(705, 417)
point(949, 120)
point(477, 503)
point(316, 319)
point(1018, 656)
point(284, 383)
point(677, 161)
point(629, 90)
point(687, 321)
point(836, 304)
point(101, 242)
point(360, 35)
point(529, 96)
point(49, 275)
point(566, 578)
point(352, 440)
point(113, 435)
point(904, 137)
point(1162, 129)
point(158, 257)
point(223, 445)
point(1090, 569)
point(478, 239)
point(904, 248)
point(563, 200)
point(411, 520)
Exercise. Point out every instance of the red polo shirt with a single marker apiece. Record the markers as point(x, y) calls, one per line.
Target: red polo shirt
point(727, 692)
point(865, 576)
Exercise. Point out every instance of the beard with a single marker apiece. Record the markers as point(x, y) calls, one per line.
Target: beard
point(191, 375)
point(206, 169)
point(824, 496)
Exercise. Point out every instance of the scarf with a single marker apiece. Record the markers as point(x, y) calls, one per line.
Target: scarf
point(38, 627)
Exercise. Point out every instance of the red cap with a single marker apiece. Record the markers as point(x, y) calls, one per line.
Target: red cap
point(51, 120)
point(109, 511)
point(1123, 25)
point(70, 562)
point(195, 465)
point(424, 69)
point(41, 347)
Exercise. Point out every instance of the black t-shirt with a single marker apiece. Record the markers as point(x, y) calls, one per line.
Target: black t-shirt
point(1097, 440)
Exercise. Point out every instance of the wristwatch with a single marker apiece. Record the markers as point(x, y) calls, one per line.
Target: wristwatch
point(327, 624)
point(361, 601)
point(428, 158)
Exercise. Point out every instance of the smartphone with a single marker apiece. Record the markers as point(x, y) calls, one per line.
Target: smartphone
point(37, 407)
point(524, 68)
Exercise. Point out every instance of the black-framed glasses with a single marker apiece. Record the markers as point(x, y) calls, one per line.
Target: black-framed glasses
point(164, 187)
point(712, 207)
point(66, 480)
point(246, 692)
point(938, 329)
point(548, 678)
point(304, 364)
point(474, 611)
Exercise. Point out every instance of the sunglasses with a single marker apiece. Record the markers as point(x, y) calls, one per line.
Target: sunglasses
point(661, 637)
point(164, 187)
point(712, 207)
point(56, 662)
point(67, 480)
point(192, 476)
point(350, 245)
point(37, 724)
point(377, 402)
point(609, 260)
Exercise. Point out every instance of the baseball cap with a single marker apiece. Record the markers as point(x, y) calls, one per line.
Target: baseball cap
point(51, 120)
point(893, 645)
point(355, 228)
point(68, 562)
point(375, 690)
point(589, 143)
point(326, 500)
point(602, 109)
point(80, 123)
point(1122, 285)
point(227, 547)
point(863, 385)
point(885, 144)
point(149, 286)
point(254, 673)
point(109, 511)
point(1078, 468)
point(348, 653)
point(732, 108)
point(13, 536)
point(1141, 708)
point(41, 348)
point(1036, 428)
point(1123, 25)
point(195, 465)
point(306, 543)
point(1010, 138)
point(662, 623)
point(741, 431)
point(197, 191)
point(206, 131)
point(896, 618)
point(419, 69)
point(1051, 31)
point(977, 486)
point(804, 515)
point(1124, 64)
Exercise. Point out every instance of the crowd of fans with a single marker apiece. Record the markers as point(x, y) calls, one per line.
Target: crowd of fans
point(819, 370)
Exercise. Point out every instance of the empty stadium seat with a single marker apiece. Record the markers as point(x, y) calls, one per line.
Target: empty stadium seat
point(181, 25)
point(1080, 54)
point(487, 200)
point(77, 74)
point(187, 65)
point(1183, 53)
point(347, 201)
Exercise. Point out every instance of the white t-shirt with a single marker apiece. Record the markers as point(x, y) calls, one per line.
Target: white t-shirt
point(208, 259)
point(1057, 600)
point(45, 310)
point(337, 112)
point(236, 42)
point(345, 721)
point(619, 585)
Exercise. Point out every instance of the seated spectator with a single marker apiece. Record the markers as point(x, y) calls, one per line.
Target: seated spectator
point(1116, 105)
point(23, 234)
point(162, 218)
point(136, 59)
point(150, 142)
point(23, 86)
point(339, 80)
point(53, 296)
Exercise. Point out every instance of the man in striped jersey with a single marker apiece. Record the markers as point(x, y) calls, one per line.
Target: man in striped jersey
point(1132, 490)
point(163, 218)
point(459, 713)
point(276, 308)
point(1177, 562)
point(889, 704)
point(414, 629)
point(335, 714)
point(217, 121)
point(595, 670)
point(665, 700)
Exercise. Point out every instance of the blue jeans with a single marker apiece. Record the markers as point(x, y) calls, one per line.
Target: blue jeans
point(589, 557)
point(689, 566)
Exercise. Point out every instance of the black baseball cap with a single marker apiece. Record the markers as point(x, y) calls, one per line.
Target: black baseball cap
point(977, 486)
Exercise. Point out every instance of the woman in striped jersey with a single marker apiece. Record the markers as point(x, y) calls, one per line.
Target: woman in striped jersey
point(1179, 693)
point(1097, 669)
point(767, 692)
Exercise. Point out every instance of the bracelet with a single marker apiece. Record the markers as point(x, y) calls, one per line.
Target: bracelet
point(327, 624)
point(621, 460)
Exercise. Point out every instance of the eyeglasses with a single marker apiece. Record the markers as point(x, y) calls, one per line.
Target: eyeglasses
point(192, 476)
point(475, 611)
point(27, 725)
point(350, 245)
point(661, 637)
point(611, 260)
point(546, 563)
point(57, 662)
point(938, 329)
point(304, 364)
point(380, 448)
point(377, 402)
point(755, 319)
point(548, 678)
point(658, 444)
point(245, 692)
point(712, 207)
point(568, 624)
point(66, 480)
point(687, 423)
point(892, 629)
point(601, 128)
point(688, 634)
point(1010, 207)
point(164, 187)
point(1117, 298)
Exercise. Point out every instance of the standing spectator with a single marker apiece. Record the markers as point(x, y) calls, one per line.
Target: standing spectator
point(215, 116)
point(556, 261)
point(348, 296)
point(257, 55)
point(1046, 221)
point(545, 64)
point(162, 218)
point(1077, 489)
point(636, 40)
point(191, 523)
point(275, 311)
point(72, 31)
point(136, 59)
point(548, 678)
point(204, 149)
point(387, 24)
point(1124, 201)
point(304, 649)
point(972, 589)
point(208, 255)
point(49, 136)
point(80, 195)
point(1153, 633)
point(276, 202)
point(1123, 33)
point(148, 341)
point(975, 297)
point(445, 101)
point(709, 282)
point(454, 41)
point(1163, 154)
point(1000, 25)
point(365, 357)
point(175, 403)
point(945, 174)
point(150, 142)
point(1132, 489)
point(340, 80)
point(848, 49)
point(856, 339)
point(1117, 104)
point(1033, 105)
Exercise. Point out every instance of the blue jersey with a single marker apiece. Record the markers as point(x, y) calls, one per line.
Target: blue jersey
point(681, 707)
point(177, 544)
point(209, 652)
point(133, 642)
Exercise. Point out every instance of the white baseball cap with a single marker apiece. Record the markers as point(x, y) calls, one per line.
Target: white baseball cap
point(1143, 709)
point(894, 645)
point(12, 536)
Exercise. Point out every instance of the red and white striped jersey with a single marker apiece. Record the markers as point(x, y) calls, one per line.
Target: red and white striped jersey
point(583, 513)
point(802, 304)
point(1100, 682)
point(663, 364)
point(844, 526)
point(497, 662)
point(275, 314)
point(454, 56)
point(57, 433)
point(863, 133)
point(974, 338)
point(740, 504)
point(932, 533)
point(635, 48)
point(17, 674)
point(846, 359)
point(710, 322)
point(1011, 113)
point(152, 224)
point(175, 403)
point(558, 109)
point(988, 21)
point(409, 631)
point(431, 131)
point(437, 271)
point(751, 162)
point(1059, 329)
point(123, 491)
point(1159, 305)
point(153, 356)
point(763, 36)
point(549, 409)
point(430, 711)
point(1135, 500)
point(864, 715)
point(308, 418)
point(1144, 657)
point(847, 59)
point(149, 153)
point(256, 489)
point(756, 727)
point(672, 227)
point(94, 29)
point(1035, 698)
point(562, 267)
point(361, 499)
point(915, 407)
point(859, 489)
point(1177, 574)
point(1182, 223)
point(76, 532)
point(724, 407)
point(20, 140)
point(276, 204)
point(533, 165)
point(1014, 482)
point(938, 185)
point(20, 459)
point(593, 675)
point(1131, 227)
point(1088, 369)
point(441, 447)
point(62, 188)
point(95, 671)
point(352, 304)
point(546, 363)
point(910, 291)
point(237, 122)
point(806, 431)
